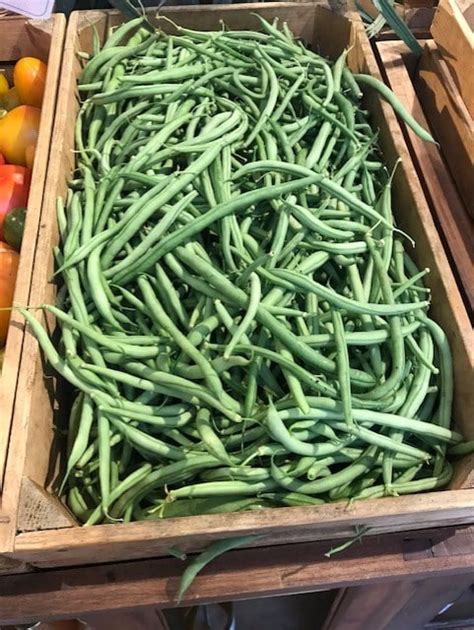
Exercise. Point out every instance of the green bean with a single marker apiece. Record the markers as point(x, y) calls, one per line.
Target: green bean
point(165, 322)
point(239, 473)
point(81, 441)
point(223, 488)
point(104, 460)
point(343, 366)
point(418, 485)
point(254, 300)
point(211, 441)
point(396, 339)
point(332, 410)
point(280, 433)
point(151, 380)
point(293, 499)
point(147, 418)
point(122, 487)
point(209, 505)
point(77, 504)
point(306, 284)
point(310, 221)
point(213, 551)
point(172, 240)
point(346, 475)
point(147, 442)
point(293, 382)
point(390, 97)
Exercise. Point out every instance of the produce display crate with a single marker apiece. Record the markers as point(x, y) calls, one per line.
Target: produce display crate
point(44, 533)
point(447, 89)
point(449, 117)
point(452, 30)
point(428, 90)
point(19, 38)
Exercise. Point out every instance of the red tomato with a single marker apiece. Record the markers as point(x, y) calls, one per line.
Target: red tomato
point(14, 188)
point(8, 270)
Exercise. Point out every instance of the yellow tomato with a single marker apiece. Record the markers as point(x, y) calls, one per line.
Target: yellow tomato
point(19, 134)
point(4, 87)
point(8, 270)
point(29, 77)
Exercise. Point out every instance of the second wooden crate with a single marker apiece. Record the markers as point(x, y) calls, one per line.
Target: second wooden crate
point(428, 91)
point(20, 38)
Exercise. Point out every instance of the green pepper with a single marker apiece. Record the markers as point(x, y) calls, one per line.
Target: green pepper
point(13, 227)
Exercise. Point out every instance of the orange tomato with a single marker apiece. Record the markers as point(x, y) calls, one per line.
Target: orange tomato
point(19, 134)
point(8, 270)
point(29, 77)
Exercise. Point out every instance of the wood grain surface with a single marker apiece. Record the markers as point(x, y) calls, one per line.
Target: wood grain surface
point(449, 118)
point(242, 574)
point(448, 209)
point(19, 37)
point(454, 37)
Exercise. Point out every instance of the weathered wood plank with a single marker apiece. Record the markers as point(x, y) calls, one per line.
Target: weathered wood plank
point(109, 543)
point(455, 39)
point(449, 118)
point(448, 209)
point(242, 574)
point(45, 40)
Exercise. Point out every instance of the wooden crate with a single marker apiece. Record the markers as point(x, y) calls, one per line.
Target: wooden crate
point(454, 37)
point(449, 116)
point(33, 454)
point(410, 81)
point(21, 37)
point(447, 89)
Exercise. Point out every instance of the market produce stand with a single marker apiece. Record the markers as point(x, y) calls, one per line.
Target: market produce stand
point(252, 573)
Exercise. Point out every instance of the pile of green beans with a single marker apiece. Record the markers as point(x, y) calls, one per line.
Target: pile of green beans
point(238, 314)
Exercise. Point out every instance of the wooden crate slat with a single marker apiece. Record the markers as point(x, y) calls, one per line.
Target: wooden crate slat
point(108, 543)
point(45, 40)
point(455, 39)
point(449, 118)
point(447, 205)
point(239, 574)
